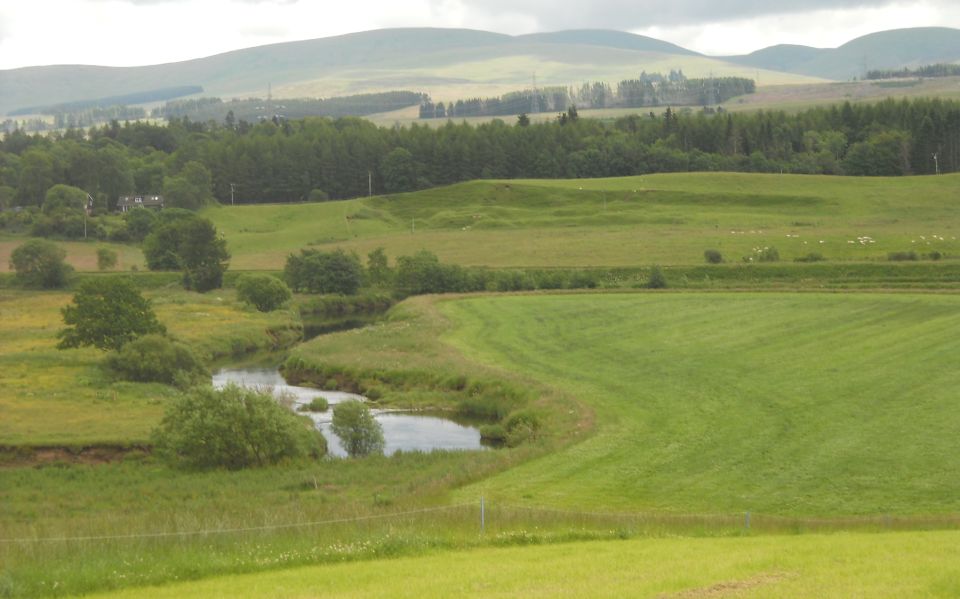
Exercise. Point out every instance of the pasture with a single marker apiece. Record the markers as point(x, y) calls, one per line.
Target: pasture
point(667, 219)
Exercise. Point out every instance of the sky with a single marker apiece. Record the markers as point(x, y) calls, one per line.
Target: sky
point(140, 32)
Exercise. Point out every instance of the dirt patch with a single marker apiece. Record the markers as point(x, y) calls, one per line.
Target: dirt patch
point(732, 588)
point(16, 457)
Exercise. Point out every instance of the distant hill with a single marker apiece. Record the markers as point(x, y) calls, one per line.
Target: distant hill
point(458, 63)
point(894, 49)
point(447, 63)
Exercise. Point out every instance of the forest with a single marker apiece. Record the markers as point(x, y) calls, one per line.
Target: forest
point(321, 158)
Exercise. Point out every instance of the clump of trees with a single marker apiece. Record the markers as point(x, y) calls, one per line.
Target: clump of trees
point(313, 271)
point(233, 428)
point(40, 264)
point(186, 242)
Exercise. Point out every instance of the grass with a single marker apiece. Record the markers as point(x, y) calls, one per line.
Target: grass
point(665, 219)
point(840, 565)
point(62, 398)
point(82, 255)
point(788, 404)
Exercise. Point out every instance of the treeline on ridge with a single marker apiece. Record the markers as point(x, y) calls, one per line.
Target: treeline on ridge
point(648, 90)
point(191, 162)
point(932, 71)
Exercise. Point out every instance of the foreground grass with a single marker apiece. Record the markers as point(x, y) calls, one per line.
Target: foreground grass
point(839, 565)
point(54, 397)
point(667, 219)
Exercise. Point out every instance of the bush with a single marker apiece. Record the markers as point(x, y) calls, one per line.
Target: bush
point(233, 428)
point(157, 359)
point(317, 404)
point(657, 279)
point(902, 256)
point(40, 264)
point(713, 256)
point(359, 433)
point(934, 255)
point(317, 195)
point(264, 292)
point(493, 432)
point(106, 258)
point(521, 426)
point(811, 257)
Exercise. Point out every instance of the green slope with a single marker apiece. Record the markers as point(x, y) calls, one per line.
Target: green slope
point(787, 404)
point(883, 50)
point(843, 565)
point(665, 219)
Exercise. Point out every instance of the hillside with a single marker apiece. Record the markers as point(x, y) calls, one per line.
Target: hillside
point(448, 63)
point(887, 49)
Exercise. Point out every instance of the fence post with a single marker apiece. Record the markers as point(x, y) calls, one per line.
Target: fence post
point(746, 521)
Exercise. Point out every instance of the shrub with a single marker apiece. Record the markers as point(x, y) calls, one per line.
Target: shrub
point(107, 313)
point(106, 258)
point(233, 428)
point(902, 256)
point(40, 264)
point(713, 256)
point(493, 432)
point(657, 279)
point(934, 255)
point(264, 292)
point(811, 257)
point(317, 404)
point(359, 433)
point(157, 359)
point(317, 195)
point(521, 426)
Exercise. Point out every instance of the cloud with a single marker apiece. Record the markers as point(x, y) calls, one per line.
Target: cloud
point(636, 14)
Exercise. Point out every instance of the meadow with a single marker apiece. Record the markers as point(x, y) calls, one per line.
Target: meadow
point(667, 219)
point(664, 417)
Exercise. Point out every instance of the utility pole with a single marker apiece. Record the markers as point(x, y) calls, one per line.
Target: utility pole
point(936, 162)
point(232, 186)
point(369, 183)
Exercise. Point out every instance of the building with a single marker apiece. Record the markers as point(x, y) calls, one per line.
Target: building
point(126, 203)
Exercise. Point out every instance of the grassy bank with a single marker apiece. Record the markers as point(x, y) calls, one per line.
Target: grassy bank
point(841, 565)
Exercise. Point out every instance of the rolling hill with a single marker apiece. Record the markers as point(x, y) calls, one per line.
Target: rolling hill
point(457, 63)
point(887, 49)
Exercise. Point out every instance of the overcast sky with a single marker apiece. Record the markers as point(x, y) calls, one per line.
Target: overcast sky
point(137, 32)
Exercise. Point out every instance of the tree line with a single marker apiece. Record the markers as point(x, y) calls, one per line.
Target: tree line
point(650, 90)
point(932, 70)
point(193, 162)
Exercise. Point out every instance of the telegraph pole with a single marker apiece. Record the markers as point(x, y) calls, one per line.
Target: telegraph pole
point(369, 183)
point(232, 186)
point(936, 162)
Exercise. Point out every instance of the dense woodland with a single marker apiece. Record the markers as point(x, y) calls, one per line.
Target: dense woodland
point(933, 70)
point(319, 158)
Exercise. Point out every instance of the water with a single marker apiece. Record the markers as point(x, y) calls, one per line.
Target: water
point(401, 430)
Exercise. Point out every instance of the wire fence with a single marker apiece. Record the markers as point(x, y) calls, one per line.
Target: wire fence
point(483, 517)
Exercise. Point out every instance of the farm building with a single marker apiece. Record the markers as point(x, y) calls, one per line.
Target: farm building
point(127, 203)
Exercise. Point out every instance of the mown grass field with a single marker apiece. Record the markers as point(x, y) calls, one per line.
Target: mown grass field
point(666, 219)
point(840, 565)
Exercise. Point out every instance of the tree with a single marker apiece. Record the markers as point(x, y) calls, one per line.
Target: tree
point(64, 198)
point(264, 292)
point(191, 189)
point(107, 313)
point(360, 434)
point(314, 271)
point(40, 264)
point(399, 171)
point(233, 428)
point(657, 280)
point(378, 269)
point(523, 120)
point(191, 245)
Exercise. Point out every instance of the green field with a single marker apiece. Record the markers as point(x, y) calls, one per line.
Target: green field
point(666, 219)
point(813, 566)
